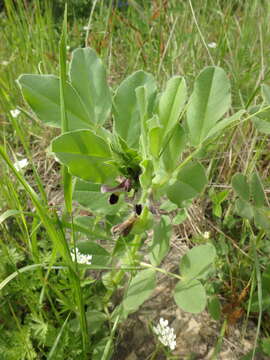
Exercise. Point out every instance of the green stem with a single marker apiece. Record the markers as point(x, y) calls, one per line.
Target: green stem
point(149, 266)
point(109, 342)
point(153, 356)
point(135, 245)
point(219, 341)
point(187, 160)
point(259, 283)
point(117, 278)
point(168, 177)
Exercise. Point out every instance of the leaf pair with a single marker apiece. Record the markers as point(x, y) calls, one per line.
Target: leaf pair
point(88, 98)
point(130, 108)
point(87, 104)
point(189, 294)
point(210, 100)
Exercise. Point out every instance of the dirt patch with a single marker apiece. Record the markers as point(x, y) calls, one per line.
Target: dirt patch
point(196, 335)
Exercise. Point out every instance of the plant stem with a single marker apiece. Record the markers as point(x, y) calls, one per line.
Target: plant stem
point(149, 266)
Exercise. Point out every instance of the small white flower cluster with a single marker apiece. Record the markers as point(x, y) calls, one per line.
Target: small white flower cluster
point(15, 113)
point(212, 45)
point(81, 258)
point(20, 164)
point(206, 235)
point(165, 334)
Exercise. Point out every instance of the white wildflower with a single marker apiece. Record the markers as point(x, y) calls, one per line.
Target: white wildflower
point(81, 258)
point(20, 164)
point(68, 47)
point(165, 334)
point(15, 113)
point(206, 235)
point(4, 62)
point(212, 45)
point(86, 28)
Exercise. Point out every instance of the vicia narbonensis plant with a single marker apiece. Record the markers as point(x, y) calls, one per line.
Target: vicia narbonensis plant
point(127, 151)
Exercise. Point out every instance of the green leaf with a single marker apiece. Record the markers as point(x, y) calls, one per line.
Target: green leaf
point(262, 125)
point(95, 319)
point(147, 173)
point(120, 246)
point(241, 186)
point(221, 125)
point(196, 263)
point(257, 191)
point(160, 243)
point(173, 150)
point(171, 104)
point(190, 296)
point(266, 93)
point(88, 226)
point(244, 209)
point(145, 98)
point(191, 180)
point(218, 199)
point(85, 154)
point(217, 210)
point(261, 120)
point(89, 195)
point(144, 222)
point(209, 101)
point(88, 77)
point(154, 136)
point(99, 349)
point(168, 206)
point(180, 217)
point(6, 214)
point(261, 218)
point(125, 159)
point(52, 352)
point(139, 290)
point(126, 109)
point(266, 346)
point(214, 308)
point(100, 256)
point(42, 93)
point(10, 277)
